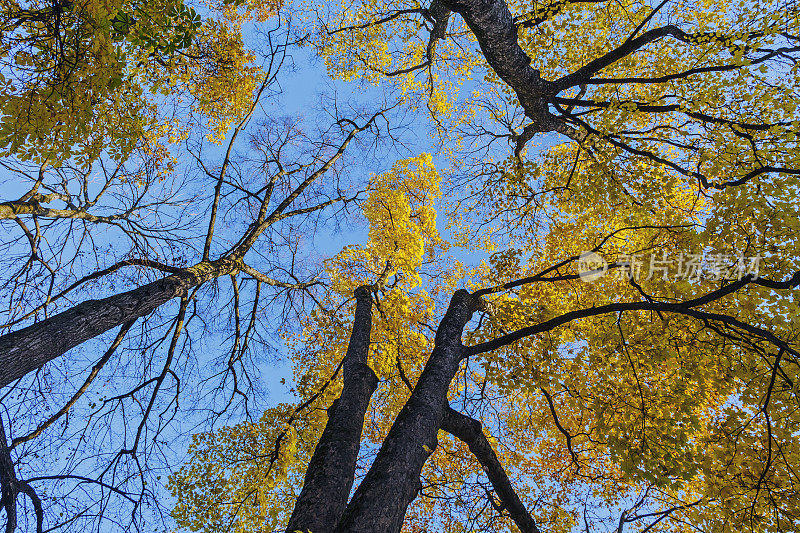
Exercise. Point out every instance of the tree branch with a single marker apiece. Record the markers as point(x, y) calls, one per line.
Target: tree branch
point(468, 430)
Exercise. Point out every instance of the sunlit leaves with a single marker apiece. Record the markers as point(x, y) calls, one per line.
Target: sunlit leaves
point(85, 78)
point(402, 227)
point(243, 478)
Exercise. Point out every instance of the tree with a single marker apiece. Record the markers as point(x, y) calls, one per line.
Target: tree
point(635, 450)
point(666, 402)
point(81, 79)
point(663, 401)
point(135, 257)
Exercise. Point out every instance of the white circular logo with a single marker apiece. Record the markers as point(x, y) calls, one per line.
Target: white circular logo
point(591, 266)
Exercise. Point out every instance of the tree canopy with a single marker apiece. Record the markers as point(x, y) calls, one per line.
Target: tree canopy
point(530, 266)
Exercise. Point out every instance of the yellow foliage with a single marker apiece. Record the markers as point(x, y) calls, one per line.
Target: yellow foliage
point(243, 478)
point(402, 228)
point(95, 82)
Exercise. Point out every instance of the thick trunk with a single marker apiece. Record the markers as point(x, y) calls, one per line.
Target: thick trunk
point(468, 430)
point(494, 27)
point(8, 482)
point(330, 473)
point(29, 348)
point(380, 502)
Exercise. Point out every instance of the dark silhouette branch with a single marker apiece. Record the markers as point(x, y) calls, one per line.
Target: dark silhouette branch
point(468, 430)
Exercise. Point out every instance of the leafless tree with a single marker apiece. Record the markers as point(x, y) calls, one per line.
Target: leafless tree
point(140, 302)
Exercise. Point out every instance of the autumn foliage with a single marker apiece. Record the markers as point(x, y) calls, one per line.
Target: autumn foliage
point(513, 392)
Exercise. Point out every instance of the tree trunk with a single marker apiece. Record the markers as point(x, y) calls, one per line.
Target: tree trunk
point(330, 473)
point(493, 25)
point(8, 482)
point(29, 348)
point(380, 502)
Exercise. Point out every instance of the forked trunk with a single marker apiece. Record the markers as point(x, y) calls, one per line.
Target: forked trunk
point(380, 502)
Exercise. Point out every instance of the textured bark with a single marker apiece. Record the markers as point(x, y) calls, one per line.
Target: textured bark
point(12, 488)
point(493, 26)
point(441, 16)
point(10, 210)
point(380, 502)
point(468, 430)
point(330, 473)
point(29, 348)
point(8, 483)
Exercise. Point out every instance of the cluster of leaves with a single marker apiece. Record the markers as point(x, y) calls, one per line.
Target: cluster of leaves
point(67, 86)
point(86, 78)
point(244, 478)
point(426, 72)
point(633, 400)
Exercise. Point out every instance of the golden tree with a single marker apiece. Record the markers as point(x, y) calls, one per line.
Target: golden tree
point(131, 257)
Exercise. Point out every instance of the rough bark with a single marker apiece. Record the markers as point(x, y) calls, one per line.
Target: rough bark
point(380, 502)
point(9, 210)
point(29, 348)
point(468, 430)
point(494, 28)
point(441, 16)
point(8, 483)
point(330, 473)
point(13, 487)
